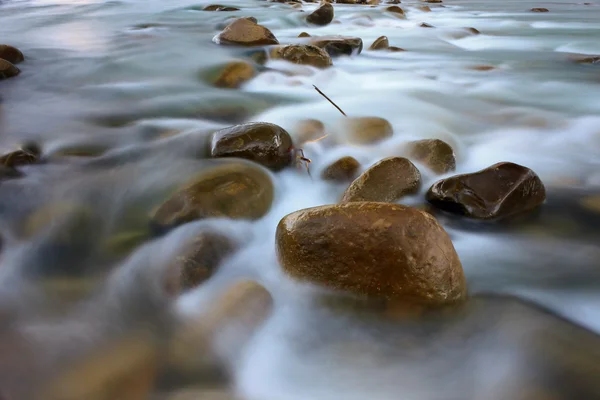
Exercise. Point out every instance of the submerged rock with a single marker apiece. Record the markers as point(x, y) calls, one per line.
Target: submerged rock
point(365, 130)
point(424, 8)
point(539, 10)
point(216, 7)
point(27, 154)
point(307, 130)
point(245, 32)
point(426, 25)
point(261, 142)
point(337, 46)
point(373, 249)
point(397, 11)
point(234, 74)
point(200, 259)
point(8, 70)
point(302, 54)
point(11, 54)
point(381, 43)
point(238, 190)
point(322, 15)
point(303, 34)
point(342, 170)
point(387, 181)
point(499, 191)
point(435, 153)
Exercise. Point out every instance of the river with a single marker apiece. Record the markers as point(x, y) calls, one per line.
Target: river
point(128, 79)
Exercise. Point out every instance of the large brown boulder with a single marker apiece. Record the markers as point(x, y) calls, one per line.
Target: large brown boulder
point(303, 54)
point(11, 54)
point(238, 190)
point(435, 153)
point(264, 143)
point(387, 181)
point(342, 170)
point(8, 70)
point(338, 45)
point(373, 249)
point(245, 32)
point(322, 15)
point(499, 191)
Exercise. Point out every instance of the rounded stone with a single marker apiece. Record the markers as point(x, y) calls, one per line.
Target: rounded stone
point(245, 32)
point(238, 190)
point(217, 7)
point(435, 153)
point(387, 181)
point(397, 11)
point(303, 54)
point(307, 130)
point(365, 130)
point(234, 74)
point(11, 54)
point(342, 170)
point(374, 250)
point(322, 15)
point(8, 70)
point(337, 46)
point(267, 144)
point(381, 43)
point(499, 191)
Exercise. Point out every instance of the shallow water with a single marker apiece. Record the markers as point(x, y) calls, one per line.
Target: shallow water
point(127, 77)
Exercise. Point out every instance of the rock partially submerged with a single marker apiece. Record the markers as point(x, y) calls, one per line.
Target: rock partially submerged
point(267, 144)
point(302, 54)
point(365, 130)
point(373, 249)
point(8, 70)
point(342, 170)
point(381, 43)
point(245, 32)
point(234, 74)
point(386, 181)
point(502, 190)
point(11, 54)
point(322, 15)
point(217, 7)
point(238, 190)
point(435, 153)
point(337, 46)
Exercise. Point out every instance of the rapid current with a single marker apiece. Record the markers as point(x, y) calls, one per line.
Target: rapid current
point(126, 81)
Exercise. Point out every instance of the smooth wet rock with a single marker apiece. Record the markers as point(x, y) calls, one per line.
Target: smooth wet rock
point(426, 25)
point(11, 54)
point(395, 49)
point(365, 130)
point(237, 190)
point(8, 70)
point(539, 10)
point(216, 7)
point(337, 46)
point(434, 153)
point(342, 170)
point(245, 32)
point(381, 43)
point(482, 67)
point(502, 190)
point(200, 259)
point(303, 34)
point(303, 54)
point(346, 1)
point(261, 142)
point(397, 11)
point(373, 249)
point(26, 155)
point(322, 15)
point(234, 74)
point(386, 181)
point(585, 59)
point(474, 31)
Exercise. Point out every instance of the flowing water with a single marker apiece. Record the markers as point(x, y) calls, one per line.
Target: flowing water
point(127, 79)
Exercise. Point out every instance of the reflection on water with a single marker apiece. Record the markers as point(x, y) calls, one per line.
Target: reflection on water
point(118, 94)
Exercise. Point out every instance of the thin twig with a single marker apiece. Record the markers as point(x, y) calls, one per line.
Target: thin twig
point(305, 160)
point(331, 101)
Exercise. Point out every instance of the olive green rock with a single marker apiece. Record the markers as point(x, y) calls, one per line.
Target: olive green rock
point(261, 142)
point(373, 249)
point(238, 190)
point(302, 54)
point(434, 153)
point(387, 181)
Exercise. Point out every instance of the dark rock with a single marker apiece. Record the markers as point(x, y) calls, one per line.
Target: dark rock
point(200, 258)
point(216, 7)
point(540, 10)
point(499, 191)
point(386, 181)
point(426, 25)
point(585, 59)
point(395, 10)
point(338, 45)
point(395, 49)
point(234, 74)
point(11, 54)
point(342, 170)
point(27, 154)
point(303, 54)
point(267, 144)
point(322, 15)
point(245, 32)
point(8, 70)
point(238, 190)
point(435, 153)
point(381, 43)
point(303, 34)
point(9, 173)
point(373, 249)
point(473, 31)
